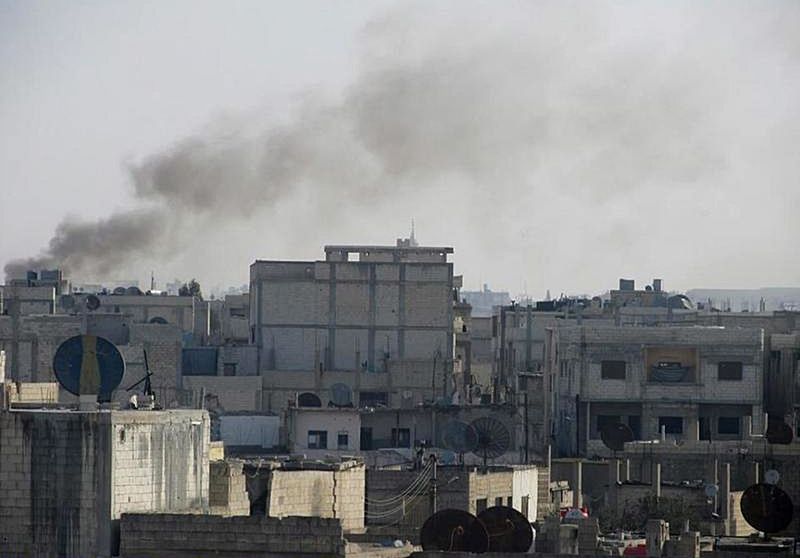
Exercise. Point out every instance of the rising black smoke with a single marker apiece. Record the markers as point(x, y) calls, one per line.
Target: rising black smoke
point(594, 99)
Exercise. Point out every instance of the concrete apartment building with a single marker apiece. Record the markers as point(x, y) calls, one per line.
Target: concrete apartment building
point(378, 319)
point(691, 383)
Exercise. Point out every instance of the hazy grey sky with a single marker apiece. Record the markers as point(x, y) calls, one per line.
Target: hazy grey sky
point(556, 145)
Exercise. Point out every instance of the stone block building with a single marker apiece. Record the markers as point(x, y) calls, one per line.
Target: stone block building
point(687, 383)
point(67, 476)
point(378, 319)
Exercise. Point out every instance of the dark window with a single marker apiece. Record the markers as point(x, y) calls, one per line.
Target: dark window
point(728, 425)
point(238, 313)
point(199, 361)
point(480, 505)
point(729, 371)
point(373, 399)
point(604, 421)
point(498, 501)
point(401, 438)
point(342, 440)
point(612, 370)
point(672, 425)
point(525, 504)
point(308, 399)
point(366, 438)
point(317, 439)
point(229, 369)
point(705, 430)
point(508, 501)
point(635, 422)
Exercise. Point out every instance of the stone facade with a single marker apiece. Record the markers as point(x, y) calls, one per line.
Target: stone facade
point(376, 324)
point(67, 476)
point(189, 536)
point(582, 395)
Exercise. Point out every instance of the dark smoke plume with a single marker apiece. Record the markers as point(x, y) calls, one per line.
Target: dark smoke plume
point(590, 100)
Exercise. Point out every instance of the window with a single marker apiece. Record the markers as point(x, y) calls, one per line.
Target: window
point(238, 313)
point(480, 505)
point(508, 501)
point(317, 439)
point(342, 440)
point(229, 369)
point(525, 504)
point(728, 425)
point(401, 438)
point(672, 425)
point(730, 371)
point(605, 421)
point(498, 501)
point(373, 399)
point(612, 370)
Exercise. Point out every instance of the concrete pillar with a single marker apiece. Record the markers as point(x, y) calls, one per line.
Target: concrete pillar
point(756, 472)
point(692, 429)
point(663, 433)
point(725, 496)
point(577, 489)
point(613, 472)
point(627, 470)
point(655, 479)
point(747, 427)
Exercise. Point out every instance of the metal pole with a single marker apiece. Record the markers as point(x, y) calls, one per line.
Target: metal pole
point(525, 402)
point(434, 494)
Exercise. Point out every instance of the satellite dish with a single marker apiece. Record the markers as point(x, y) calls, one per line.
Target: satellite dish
point(92, 302)
point(509, 530)
point(459, 437)
point(711, 490)
point(88, 365)
point(767, 508)
point(119, 291)
point(615, 435)
point(308, 400)
point(493, 438)
point(67, 302)
point(778, 432)
point(133, 291)
point(158, 320)
point(341, 395)
point(454, 530)
point(771, 476)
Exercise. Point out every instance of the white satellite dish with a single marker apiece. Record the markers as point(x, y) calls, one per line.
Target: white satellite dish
point(771, 476)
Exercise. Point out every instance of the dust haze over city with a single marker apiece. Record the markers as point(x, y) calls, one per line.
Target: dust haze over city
point(554, 145)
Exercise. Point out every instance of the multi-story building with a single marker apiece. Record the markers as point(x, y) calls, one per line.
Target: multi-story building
point(686, 383)
point(378, 319)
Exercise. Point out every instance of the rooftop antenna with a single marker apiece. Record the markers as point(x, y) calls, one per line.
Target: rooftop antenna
point(152, 281)
point(148, 389)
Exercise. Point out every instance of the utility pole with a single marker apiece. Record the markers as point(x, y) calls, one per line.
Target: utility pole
point(433, 485)
point(525, 414)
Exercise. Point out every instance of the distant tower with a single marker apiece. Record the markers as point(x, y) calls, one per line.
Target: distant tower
point(547, 296)
point(413, 239)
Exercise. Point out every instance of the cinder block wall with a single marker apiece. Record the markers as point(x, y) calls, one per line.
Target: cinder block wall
point(190, 536)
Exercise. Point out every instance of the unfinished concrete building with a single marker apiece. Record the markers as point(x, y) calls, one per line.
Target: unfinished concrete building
point(685, 383)
point(377, 319)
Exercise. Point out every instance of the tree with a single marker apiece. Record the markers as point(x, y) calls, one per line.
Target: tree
point(192, 288)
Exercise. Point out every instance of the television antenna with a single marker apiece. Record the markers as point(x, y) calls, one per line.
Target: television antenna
point(87, 365)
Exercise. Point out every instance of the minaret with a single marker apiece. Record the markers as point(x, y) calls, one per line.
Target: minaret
point(413, 239)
